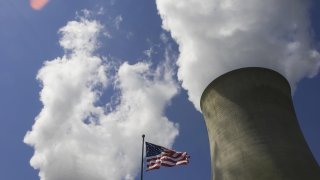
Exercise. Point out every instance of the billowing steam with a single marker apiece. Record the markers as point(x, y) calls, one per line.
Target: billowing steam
point(217, 36)
point(73, 137)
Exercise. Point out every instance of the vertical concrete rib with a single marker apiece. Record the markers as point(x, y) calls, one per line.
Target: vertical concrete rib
point(253, 130)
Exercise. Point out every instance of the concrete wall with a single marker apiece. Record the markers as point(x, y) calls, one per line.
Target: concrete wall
point(253, 130)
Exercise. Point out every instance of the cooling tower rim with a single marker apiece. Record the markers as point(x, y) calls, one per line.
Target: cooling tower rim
point(241, 70)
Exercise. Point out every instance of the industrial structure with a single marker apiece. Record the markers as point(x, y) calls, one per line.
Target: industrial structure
point(253, 130)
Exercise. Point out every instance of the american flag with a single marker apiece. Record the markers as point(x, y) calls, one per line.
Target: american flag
point(158, 156)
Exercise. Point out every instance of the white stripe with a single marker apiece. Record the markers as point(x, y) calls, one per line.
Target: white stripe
point(154, 161)
point(183, 156)
point(181, 162)
point(176, 163)
point(155, 165)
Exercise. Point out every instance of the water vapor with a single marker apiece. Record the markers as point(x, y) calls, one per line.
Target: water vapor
point(217, 36)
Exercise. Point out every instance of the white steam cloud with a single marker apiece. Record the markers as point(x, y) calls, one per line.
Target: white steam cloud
point(73, 138)
point(217, 36)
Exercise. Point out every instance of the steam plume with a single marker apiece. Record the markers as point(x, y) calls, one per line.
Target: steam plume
point(217, 36)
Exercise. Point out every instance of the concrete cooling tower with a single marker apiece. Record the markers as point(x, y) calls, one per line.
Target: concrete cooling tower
point(253, 130)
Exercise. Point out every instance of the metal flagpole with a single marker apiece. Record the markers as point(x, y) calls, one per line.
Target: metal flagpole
point(142, 156)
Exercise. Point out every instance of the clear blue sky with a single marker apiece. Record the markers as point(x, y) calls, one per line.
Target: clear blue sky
point(29, 37)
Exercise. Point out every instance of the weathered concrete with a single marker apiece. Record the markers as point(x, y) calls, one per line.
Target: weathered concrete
point(253, 130)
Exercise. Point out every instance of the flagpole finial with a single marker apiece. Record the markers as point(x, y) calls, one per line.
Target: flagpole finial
point(143, 135)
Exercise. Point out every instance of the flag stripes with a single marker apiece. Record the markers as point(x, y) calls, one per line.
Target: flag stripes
point(158, 156)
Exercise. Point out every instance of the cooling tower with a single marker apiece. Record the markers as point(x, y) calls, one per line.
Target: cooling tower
point(253, 130)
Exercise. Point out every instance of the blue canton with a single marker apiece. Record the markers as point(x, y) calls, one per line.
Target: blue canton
point(153, 150)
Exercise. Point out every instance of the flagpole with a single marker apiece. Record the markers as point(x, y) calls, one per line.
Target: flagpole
point(142, 156)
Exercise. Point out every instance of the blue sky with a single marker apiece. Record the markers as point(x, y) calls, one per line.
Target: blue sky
point(30, 37)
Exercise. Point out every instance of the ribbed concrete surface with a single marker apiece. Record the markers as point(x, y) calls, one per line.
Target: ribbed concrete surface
point(253, 130)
